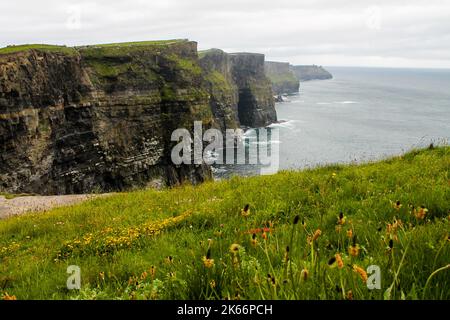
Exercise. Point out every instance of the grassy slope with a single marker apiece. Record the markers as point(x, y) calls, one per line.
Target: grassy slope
point(116, 239)
point(72, 50)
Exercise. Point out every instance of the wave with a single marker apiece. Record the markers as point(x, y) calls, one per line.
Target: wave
point(347, 102)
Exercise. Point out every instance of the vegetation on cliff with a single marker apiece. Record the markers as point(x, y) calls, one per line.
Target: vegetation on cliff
point(294, 235)
point(282, 77)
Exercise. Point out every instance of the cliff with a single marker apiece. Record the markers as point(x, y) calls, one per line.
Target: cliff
point(97, 118)
point(313, 72)
point(100, 118)
point(240, 91)
point(282, 77)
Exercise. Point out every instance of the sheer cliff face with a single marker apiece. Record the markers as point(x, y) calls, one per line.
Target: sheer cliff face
point(282, 78)
point(98, 118)
point(306, 73)
point(240, 91)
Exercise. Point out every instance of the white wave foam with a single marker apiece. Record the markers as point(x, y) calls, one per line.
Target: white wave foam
point(347, 102)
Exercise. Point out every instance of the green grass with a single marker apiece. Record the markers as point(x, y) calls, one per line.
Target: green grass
point(41, 47)
point(73, 50)
point(152, 244)
point(139, 43)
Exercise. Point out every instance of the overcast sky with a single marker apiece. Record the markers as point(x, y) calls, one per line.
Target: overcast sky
point(389, 33)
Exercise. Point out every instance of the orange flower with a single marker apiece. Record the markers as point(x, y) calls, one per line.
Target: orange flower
point(316, 235)
point(6, 296)
point(362, 273)
point(349, 233)
point(421, 213)
point(353, 250)
point(339, 261)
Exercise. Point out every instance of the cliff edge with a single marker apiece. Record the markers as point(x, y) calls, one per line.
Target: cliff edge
point(313, 72)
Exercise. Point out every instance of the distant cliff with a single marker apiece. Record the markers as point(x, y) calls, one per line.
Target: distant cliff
point(313, 72)
point(282, 77)
point(240, 92)
point(100, 118)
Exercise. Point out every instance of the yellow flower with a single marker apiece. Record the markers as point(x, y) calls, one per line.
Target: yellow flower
point(207, 262)
point(397, 205)
point(169, 260)
point(246, 211)
point(362, 273)
point(212, 284)
point(234, 248)
point(339, 261)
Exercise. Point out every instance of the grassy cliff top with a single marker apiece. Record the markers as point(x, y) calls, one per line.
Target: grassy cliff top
point(71, 50)
point(306, 235)
point(43, 47)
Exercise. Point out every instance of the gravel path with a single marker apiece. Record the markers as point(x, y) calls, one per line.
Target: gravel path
point(21, 205)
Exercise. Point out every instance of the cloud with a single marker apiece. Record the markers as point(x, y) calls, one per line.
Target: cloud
point(410, 33)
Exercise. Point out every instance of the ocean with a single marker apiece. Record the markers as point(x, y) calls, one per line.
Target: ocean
point(362, 114)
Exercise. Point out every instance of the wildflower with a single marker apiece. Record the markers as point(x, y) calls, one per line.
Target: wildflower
point(212, 284)
point(333, 175)
point(246, 211)
point(144, 275)
point(362, 273)
point(421, 213)
point(304, 274)
point(316, 235)
point(254, 240)
point(208, 263)
point(234, 248)
point(264, 236)
point(350, 233)
point(169, 260)
point(397, 205)
point(153, 272)
point(350, 295)
point(340, 262)
point(303, 223)
point(353, 250)
point(102, 275)
point(6, 296)
point(341, 219)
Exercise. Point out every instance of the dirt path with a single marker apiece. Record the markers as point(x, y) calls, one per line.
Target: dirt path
point(21, 205)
